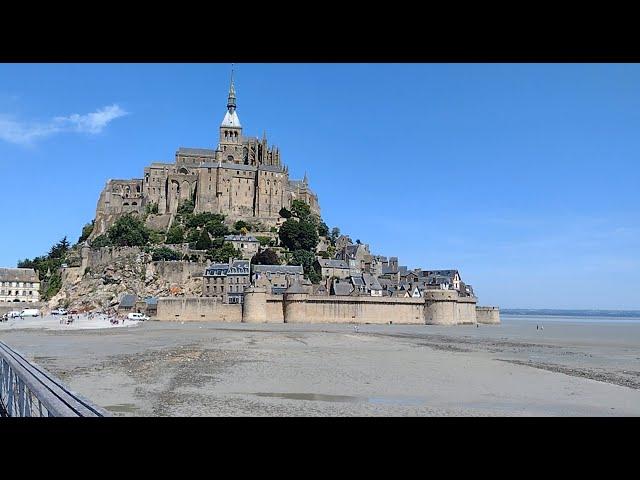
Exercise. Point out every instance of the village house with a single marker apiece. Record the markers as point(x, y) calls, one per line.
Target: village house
point(247, 244)
point(226, 281)
point(19, 285)
point(276, 278)
point(333, 268)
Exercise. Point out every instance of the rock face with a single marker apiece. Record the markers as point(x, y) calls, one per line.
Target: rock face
point(102, 284)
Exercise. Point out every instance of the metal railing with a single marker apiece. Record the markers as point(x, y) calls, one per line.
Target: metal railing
point(26, 390)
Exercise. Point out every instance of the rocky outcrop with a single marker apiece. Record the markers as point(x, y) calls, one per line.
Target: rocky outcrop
point(103, 283)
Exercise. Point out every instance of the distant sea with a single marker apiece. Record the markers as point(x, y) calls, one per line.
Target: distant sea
point(588, 316)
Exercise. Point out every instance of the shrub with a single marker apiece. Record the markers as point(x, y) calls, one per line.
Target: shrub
point(101, 241)
point(86, 231)
point(164, 253)
point(266, 257)
point(186, 207)
point(175, 235)
point(128, 231)
point(204, 241)
point(284, 213)
point(264, 241)
point(299, 235)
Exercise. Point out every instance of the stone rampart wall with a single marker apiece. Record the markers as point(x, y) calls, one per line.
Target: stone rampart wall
point(488, 315)
point(197, 309)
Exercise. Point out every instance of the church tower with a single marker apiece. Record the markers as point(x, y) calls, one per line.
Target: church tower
point(231, 130)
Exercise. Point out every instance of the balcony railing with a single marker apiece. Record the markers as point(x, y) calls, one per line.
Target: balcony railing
point(26, 390)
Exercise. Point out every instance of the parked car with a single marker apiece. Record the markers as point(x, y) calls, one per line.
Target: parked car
point(30, 312)
point(59, 311)
point(4, 318)
point(13, 314)
point(137, 316)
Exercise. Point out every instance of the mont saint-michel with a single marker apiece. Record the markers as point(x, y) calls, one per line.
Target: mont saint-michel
point(225, 234)
point(302, 240)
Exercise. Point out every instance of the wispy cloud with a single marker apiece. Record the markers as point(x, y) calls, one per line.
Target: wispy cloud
point(27, 133)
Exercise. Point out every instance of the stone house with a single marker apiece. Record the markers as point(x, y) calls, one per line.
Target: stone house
point(341, 288)
point(333, 268)
point(276, 278)
point(19, 285)
point(226, 281)
point(128, 303)
point(373, 287)
point(247, 244)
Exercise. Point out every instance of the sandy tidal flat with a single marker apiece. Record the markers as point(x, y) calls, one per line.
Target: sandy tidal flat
point(206, 369)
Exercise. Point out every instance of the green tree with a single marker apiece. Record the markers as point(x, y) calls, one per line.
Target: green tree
point(175, 234)
point(264, 241)
point(240, 224)
point(164, 253)
point(266, 257)
point(204, 241)
point(100, 241)
point(193, 236)
point(217, 228)
point(335, 233)
point(284, 213)
point(186, 207)
point(300, 209)
point(151, 208)
point(60, 249)
point(128, 231)
point(86, 231)
point(307, 260)
point(223, 253)
point(323, 229)
point(299, 235)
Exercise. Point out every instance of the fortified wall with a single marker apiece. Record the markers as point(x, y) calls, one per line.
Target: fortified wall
point(438, 308)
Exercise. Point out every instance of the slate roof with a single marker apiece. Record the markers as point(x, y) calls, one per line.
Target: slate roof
point(342, 288)
point(371, 282)
point(296, 287)
point(128, 300)
point(240, 238)
point(18, 275)
point(202, 152)
point(238, 267)
point(290, 269)
point(332, 263)
point(151, 301)
point(357, 281)
point(387, 270)
point(231, 119)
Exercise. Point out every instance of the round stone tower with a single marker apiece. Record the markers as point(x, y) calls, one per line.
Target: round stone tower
point(440, 307)
point(295, 298)
point(254, 308)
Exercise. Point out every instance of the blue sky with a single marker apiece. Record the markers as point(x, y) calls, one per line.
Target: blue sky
point(525, 177)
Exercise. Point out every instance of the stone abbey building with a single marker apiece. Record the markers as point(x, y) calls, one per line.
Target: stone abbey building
point(243, 178)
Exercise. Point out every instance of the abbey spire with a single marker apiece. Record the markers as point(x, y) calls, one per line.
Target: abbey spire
point(231, 117)
point(231, 129)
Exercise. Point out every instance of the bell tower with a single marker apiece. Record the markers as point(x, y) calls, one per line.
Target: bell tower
point(231, 130)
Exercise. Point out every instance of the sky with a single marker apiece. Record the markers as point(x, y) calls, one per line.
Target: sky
point(524, 177)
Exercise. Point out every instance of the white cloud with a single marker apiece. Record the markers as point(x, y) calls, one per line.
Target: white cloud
point(25, 133)
point(92, 122)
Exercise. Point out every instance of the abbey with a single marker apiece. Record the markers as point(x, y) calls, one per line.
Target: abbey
point(243, 179)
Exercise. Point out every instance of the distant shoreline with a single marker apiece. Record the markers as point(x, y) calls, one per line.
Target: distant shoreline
point(571, 313)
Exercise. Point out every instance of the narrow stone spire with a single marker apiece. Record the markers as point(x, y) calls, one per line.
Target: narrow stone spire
point(305, 180)
point(231, 100)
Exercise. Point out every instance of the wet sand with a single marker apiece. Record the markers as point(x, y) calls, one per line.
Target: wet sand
point(206, 369)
